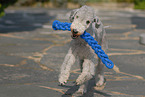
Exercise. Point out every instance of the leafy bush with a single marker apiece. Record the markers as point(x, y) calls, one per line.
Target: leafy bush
point(139, 4)
point(127, 1)
point(1, 11)
point(94, 0)
point(4, 4)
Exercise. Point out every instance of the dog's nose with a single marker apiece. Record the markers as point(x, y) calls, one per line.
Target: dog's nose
point(75, 31)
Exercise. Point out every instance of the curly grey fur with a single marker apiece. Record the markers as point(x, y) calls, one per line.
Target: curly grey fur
point(81, 50)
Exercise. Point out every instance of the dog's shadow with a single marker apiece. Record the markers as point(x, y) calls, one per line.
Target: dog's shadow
point(72, 91)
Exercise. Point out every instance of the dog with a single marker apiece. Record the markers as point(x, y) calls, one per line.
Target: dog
point(84, 19)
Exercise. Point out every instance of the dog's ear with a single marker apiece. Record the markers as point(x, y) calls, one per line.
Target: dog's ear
point(101, 33)
point(72, 15)
point(97, 22)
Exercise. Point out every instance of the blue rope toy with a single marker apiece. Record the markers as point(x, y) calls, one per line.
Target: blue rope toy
point(57, 25)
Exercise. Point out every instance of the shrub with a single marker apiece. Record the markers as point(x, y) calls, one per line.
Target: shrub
point(139, 4)
point(4, 4)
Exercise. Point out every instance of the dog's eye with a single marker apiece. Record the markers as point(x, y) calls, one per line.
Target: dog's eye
point(77, 16)
point(72, 19)
point(96, 20)
point(87, 22)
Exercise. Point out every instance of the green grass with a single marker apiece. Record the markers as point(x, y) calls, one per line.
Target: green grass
point(140, 5)
point(4, 4)
point(1, 11)
point(94, 0)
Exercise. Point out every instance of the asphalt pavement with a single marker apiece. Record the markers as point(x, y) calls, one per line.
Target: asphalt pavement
point(31, 54)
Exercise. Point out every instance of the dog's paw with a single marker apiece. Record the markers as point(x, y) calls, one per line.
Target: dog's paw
point(62, 80)
point(79, 93)
point(63, 83)
point(100, 85)
point(101, 82)
point(80, 81)
point(83, 78)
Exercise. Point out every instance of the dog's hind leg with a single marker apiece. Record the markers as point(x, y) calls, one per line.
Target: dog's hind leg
point(66, 66)
point(82, 89)
point(87, 72)
point(101, 81)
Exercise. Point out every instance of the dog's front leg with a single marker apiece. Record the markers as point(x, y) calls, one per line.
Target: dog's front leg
point(101, 81)
point(82, 90)
point(87, 72)
point(66, 66)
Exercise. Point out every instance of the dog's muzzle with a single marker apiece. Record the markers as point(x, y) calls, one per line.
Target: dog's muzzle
point(74, 33)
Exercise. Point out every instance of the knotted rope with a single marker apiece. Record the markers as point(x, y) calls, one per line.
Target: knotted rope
point(57, 25)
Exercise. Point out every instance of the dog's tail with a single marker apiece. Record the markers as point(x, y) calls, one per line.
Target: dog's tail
point(107, 26)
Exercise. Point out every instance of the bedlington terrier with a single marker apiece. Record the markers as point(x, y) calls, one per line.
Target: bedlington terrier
point(84, 19)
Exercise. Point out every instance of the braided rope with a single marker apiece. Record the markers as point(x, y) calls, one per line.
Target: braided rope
point(57, 25)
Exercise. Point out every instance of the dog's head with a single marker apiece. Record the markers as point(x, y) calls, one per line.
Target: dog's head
point(81, 19)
